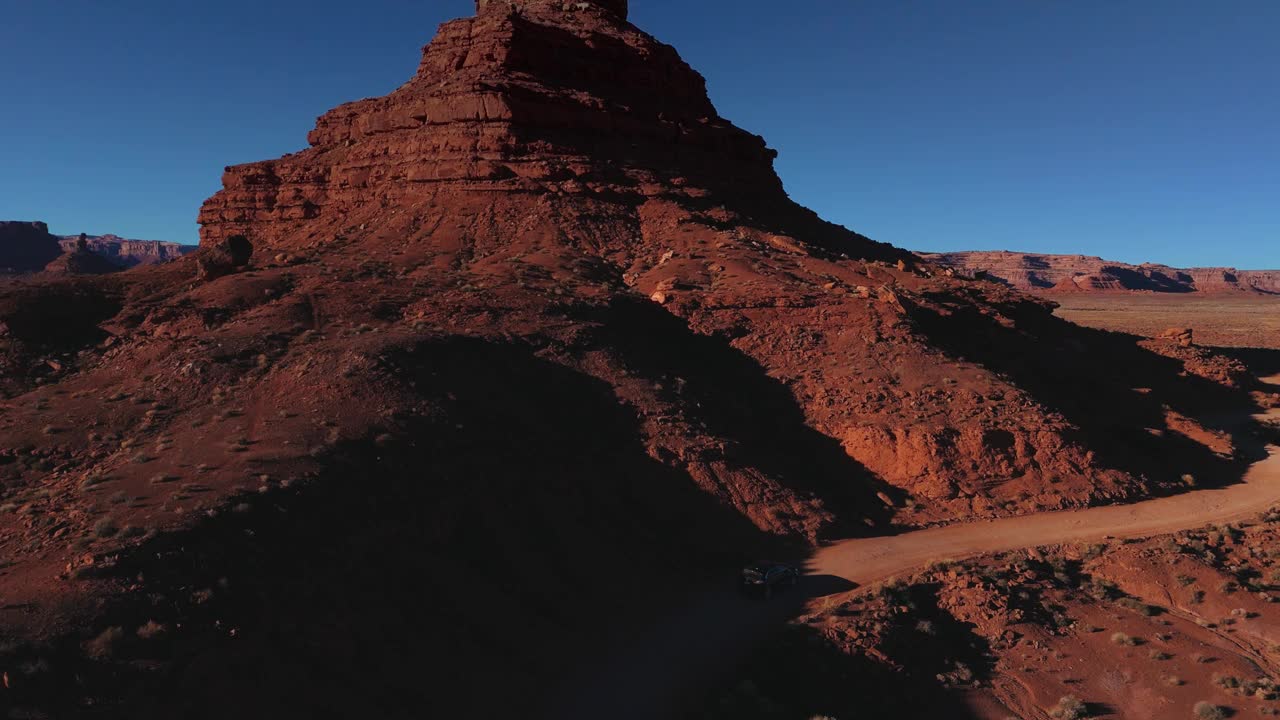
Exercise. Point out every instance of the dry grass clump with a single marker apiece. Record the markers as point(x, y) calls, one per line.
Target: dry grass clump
point(150, 630)
point(93, 480)
point(1138, 606)
point(102, 646)
point(132, 531)
point(1209, 711)
point(1070, 707)
point(1226, 682)
point(105, 528)
point(1125, 640)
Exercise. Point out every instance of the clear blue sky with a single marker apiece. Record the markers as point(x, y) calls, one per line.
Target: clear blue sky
point(1136, 130)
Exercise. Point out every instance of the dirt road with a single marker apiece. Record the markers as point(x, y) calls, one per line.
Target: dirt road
point(871, 559)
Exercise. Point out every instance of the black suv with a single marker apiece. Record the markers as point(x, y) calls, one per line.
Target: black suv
point(765, 578)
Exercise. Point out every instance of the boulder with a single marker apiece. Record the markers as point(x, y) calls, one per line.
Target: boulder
point(223, 257)
point(1184, 337)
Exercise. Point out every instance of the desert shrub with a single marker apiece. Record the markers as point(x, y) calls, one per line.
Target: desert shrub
point(1209, 711)
point(132, 531)
point(150, 630)
point(1089, 552)
point(102, 646)
point(1226, 682)
point(1126, 640)
point(1160, 655)
point(1186, 580)
point(93, 480)
point(1104, 590)
point(1070, 707)
point(105, 528)
point(1138, 606)
point(1173, 681)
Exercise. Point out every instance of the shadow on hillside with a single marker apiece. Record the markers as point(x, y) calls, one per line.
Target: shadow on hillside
point(799, 673)
point(1263, 362)
point(510, 531)
point(733, 397)
point(1116, 392)
point(43, 319)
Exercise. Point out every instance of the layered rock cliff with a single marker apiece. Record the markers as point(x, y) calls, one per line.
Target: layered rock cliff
point(1081, 273)
point(124, 252)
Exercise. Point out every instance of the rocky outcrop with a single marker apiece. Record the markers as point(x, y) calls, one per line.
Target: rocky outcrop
point(1081, 273)
point(123, 252)
point(1184, 337)
point(223, 258)
point(26, 246)
point(530, 98)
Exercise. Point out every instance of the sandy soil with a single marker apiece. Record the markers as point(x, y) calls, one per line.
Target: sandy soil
point(1228, 321)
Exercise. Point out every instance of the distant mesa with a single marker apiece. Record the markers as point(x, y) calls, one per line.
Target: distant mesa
point(27, 247)
point(127, 253)
point(80, 260)
point(1080, 273)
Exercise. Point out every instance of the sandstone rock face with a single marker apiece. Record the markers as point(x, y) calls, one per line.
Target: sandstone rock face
point(545, 101)
point(26, 246)
point(1081, 273)
point(124, 252)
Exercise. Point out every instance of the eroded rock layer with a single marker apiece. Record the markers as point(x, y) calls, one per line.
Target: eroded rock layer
point(124, 252)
